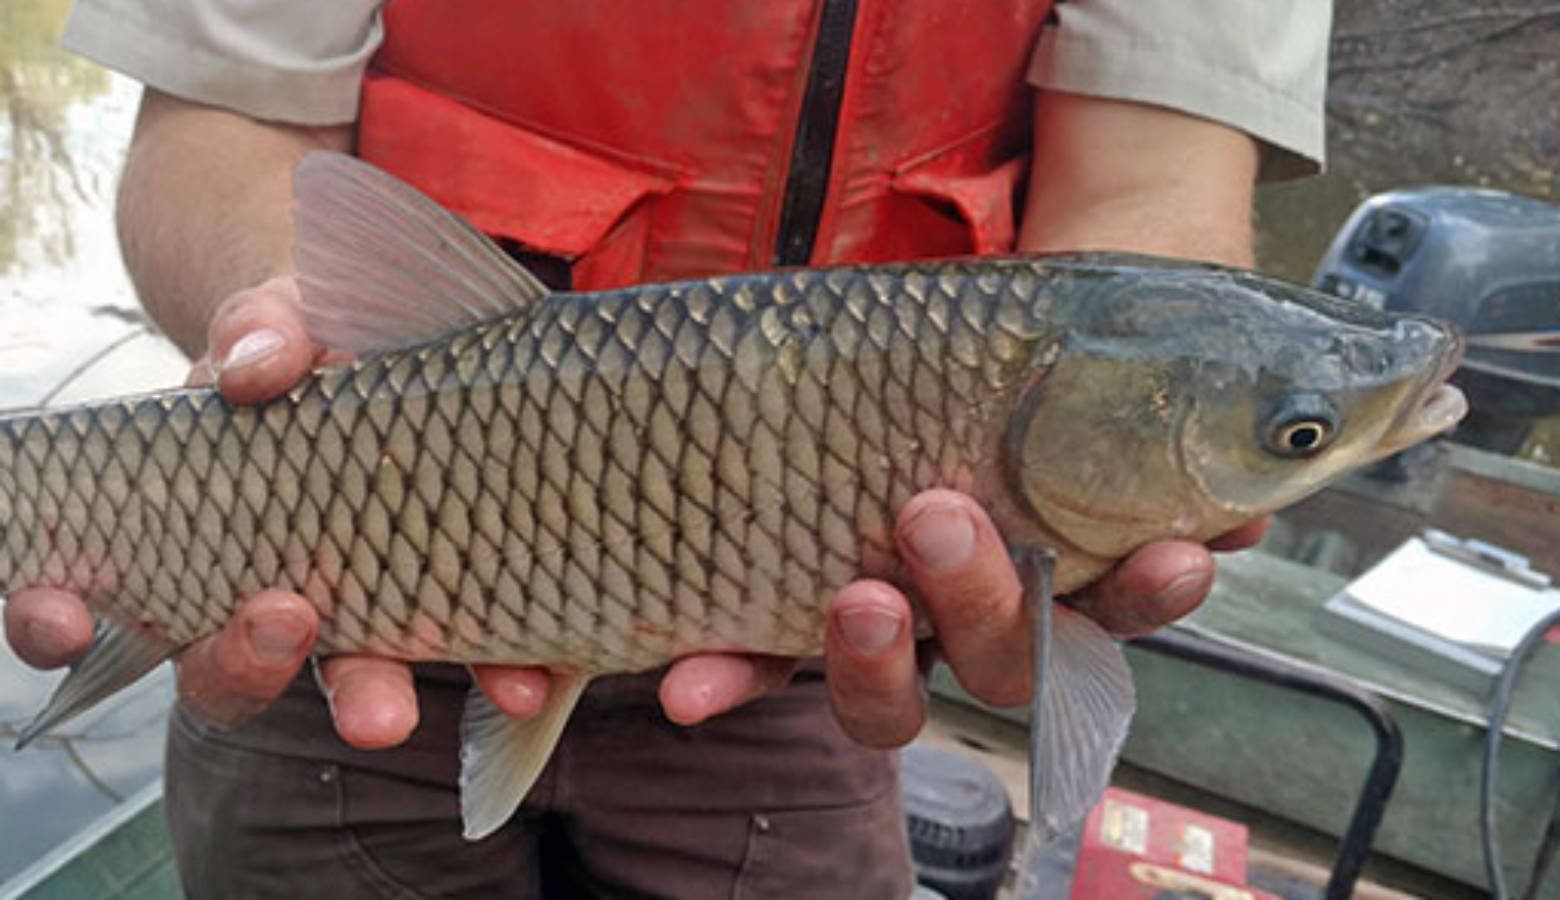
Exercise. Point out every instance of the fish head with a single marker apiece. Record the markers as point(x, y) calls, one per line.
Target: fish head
point(1182, 402)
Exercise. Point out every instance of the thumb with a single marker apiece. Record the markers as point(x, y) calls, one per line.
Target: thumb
point(237, 672)
point(259, 347)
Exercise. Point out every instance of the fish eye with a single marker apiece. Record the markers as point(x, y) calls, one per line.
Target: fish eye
point(1300, 426)
point(1302, 438)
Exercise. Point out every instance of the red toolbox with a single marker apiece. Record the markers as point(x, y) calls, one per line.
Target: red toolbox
point(1138, 847)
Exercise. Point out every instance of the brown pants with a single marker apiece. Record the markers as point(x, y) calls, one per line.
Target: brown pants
point(771, 800)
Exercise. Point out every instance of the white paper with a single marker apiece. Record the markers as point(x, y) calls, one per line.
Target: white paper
point(1451, 599)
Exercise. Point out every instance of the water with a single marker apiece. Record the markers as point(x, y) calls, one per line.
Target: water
point(70, 329)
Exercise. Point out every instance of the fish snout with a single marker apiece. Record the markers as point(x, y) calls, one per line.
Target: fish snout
point(1436, 405)
point(1420, 338)
point(1441, 405)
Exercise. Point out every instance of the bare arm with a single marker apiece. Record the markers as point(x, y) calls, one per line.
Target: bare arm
point(1116, 175)
point(205, 207)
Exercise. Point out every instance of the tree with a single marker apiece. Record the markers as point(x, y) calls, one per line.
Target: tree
point(39, 83)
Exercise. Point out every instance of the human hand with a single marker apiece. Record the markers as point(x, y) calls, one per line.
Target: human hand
point(260, 348)
point(971, 592)
point(972, 595)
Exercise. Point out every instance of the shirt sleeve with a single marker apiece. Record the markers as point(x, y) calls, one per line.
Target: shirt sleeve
point(1256, 65)
point(278, 60)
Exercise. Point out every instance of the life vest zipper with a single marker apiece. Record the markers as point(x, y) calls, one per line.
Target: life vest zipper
point(812, 152)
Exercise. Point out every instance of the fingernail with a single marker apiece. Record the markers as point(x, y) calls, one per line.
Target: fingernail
point(869, 630)
point(369, 720)
point(519, 699)
point(254, 347)
point(1186, 591)
point(941, 539)
point(703, 703)
point(278, 638)
point(49, 640)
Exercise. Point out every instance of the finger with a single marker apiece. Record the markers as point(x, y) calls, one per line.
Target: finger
point(258, 344)
point(371, 699)
point(47, 628)
point(1150, 589)
point(699, 687)
point(234, 674)
point(874, 683)
point(1247, 535)
point(971, 592)
point(520, 691)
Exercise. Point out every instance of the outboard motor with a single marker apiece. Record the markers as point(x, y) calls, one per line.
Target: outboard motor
point(1486, 260)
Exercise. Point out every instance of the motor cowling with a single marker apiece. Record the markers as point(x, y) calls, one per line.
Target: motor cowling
point(1488, 261)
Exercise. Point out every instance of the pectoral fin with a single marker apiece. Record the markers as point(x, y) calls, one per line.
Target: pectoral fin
point(501, 757)
point(118, 657)
point(1083, 704)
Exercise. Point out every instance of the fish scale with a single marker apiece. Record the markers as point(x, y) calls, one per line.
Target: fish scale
point(602, 482)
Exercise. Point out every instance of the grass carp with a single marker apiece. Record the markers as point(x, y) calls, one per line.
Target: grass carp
point(603, 482)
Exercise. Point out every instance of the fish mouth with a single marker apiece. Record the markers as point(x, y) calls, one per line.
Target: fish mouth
point(1438, 409)
point(1440, 404)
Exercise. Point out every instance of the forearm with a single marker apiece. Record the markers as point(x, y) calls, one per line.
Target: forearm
point(205, 207)
point(1115, 175)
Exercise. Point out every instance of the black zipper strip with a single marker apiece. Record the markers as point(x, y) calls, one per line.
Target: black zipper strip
point(807, 180)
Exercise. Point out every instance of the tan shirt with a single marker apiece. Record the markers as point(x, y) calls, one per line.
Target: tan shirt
point(1257, 65)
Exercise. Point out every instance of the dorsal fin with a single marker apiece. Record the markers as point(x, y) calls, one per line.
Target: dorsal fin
point(380, 265)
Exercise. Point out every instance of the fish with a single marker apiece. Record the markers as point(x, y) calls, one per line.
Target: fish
point(606, 481)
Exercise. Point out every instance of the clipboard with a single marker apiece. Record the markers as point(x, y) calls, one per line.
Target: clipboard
point(1452, 608)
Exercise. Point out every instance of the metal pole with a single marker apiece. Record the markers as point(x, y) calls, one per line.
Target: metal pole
point(1379, 781)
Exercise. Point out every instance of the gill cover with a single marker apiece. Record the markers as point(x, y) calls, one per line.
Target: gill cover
point(1093, 450)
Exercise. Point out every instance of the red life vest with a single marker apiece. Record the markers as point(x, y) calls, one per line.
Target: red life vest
point(649, 141)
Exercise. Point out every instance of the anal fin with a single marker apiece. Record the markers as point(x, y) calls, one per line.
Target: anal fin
point(501, 757)
point(117, 658)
